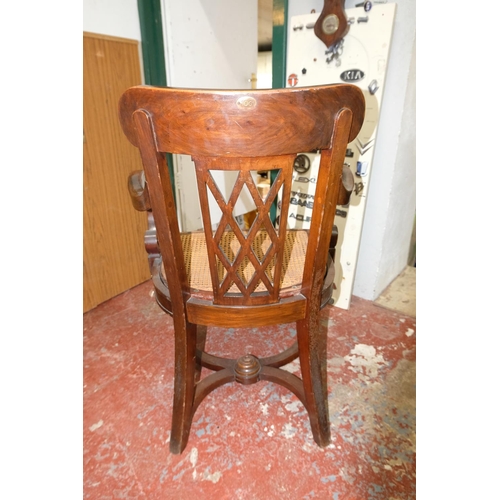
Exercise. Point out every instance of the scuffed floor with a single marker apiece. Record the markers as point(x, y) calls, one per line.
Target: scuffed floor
point(248, 442)
point(401, 294)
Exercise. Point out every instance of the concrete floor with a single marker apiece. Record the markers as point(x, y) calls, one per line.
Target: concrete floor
point(401, 294)
point(248, 442)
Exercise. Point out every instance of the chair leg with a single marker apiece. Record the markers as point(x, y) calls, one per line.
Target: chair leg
point(184, 384)
point(312, 355)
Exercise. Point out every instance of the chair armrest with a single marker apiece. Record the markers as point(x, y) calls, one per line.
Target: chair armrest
point(346, 186)
point(138, 189)
point(333, 242)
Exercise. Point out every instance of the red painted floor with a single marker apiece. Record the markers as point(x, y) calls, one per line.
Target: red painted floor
point(248, 442)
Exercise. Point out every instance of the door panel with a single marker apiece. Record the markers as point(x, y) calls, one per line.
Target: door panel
point(114, 258)
point(210, 45)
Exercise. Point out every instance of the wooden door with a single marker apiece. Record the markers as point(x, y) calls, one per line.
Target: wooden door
point(114, 258)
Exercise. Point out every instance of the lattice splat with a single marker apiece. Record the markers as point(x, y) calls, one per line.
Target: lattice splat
point(246, 266)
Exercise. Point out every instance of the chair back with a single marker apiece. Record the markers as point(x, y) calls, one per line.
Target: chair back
point(243, 131)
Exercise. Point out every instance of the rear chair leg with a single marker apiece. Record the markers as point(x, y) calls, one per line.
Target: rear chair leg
point(184, 384)
point(312, 355)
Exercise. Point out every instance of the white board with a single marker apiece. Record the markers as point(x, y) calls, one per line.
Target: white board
point(363, 62)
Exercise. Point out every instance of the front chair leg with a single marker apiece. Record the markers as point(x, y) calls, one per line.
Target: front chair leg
point(312, 355)
point(184, 384)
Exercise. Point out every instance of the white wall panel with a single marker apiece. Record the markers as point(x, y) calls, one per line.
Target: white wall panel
point(112, 17)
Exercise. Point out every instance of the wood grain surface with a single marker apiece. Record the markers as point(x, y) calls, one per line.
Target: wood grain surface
point(113, 232)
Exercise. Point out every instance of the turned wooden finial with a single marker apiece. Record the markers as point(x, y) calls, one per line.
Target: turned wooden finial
point(247, 369)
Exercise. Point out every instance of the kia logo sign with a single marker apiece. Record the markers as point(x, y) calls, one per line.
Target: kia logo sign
point(352, 75)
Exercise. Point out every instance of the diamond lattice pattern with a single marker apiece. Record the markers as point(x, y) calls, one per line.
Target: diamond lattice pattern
point(245, 259)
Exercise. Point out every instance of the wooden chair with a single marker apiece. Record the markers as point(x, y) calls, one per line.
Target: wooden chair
point(227, 277)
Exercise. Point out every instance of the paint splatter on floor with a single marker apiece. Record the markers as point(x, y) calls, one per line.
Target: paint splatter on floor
point(248, 442)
